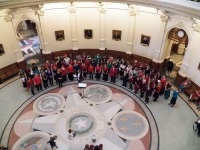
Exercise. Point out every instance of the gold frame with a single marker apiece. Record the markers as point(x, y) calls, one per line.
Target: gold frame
point(142, 42)
point(86, 36)
point(62, 35)
point(199, 66)
point(116, 33)
point(1, 50)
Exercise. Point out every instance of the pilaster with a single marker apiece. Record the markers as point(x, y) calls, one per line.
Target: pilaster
point(131, 29)
point(191, 48)
point(72, 11)
point(102, 40)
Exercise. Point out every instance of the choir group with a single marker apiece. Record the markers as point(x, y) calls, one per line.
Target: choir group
point(137, 76)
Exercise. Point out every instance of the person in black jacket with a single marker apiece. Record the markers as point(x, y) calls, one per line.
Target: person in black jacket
point(148, 94)
point(125, 78)
point(52, 143)
point(169, 66)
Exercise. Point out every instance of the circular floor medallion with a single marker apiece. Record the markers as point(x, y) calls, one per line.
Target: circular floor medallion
point(84, 121)
point(98, 94)
point(33, 141)
point(130, 125)
point(49, 104)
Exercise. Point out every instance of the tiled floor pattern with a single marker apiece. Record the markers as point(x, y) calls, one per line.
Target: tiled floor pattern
point(174, 124)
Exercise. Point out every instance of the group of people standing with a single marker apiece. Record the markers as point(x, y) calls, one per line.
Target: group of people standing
point(138, 76)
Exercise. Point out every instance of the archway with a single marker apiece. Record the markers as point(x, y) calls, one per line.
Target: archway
point(175, 46)
point(29, 41)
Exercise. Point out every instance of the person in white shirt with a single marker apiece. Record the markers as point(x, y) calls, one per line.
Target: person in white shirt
point(71, 134)
point(66, 59)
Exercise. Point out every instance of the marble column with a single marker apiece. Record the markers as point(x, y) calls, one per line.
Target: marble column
point(13, 39)
point(44, 40)
point(131, 29)
point(167, 49)
point(102, 41)
point(191, 48)
point(24, 26)
point(157, 58)
point(72, 11)
point(181, 49)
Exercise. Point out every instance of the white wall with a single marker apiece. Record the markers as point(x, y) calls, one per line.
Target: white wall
point(9, 56)
point(117, 19)
point(147, 24)
point(88, 18)
point(58, 19)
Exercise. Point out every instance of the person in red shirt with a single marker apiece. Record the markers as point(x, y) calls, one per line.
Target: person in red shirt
point(47, 64)
point(91, 71)
point(137, 85)
point(54, 66)
point(142, 88)
point(84, 70)
point(113, 73)
point(157, 91)
point(87, 62)
point(64, 73)
point(163, 84)
point(98, 72)
point(30, 85)
point(37, 82)
point(105, 73)
point(70, 71)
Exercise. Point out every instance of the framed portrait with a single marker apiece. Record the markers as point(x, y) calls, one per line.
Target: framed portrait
point(1, 50)
point(145, 40)
point(116, 35)
point(60, 35)
point(88, 34)
point(199, 66)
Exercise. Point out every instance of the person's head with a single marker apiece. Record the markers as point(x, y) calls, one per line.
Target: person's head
point(47, 61)
point(70, 131)
point(52, 139)
point(87, 147)
point(96, 147)
point(33, 64)
point(58, 70)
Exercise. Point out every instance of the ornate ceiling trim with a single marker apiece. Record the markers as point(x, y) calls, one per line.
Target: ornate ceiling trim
point(181, 7)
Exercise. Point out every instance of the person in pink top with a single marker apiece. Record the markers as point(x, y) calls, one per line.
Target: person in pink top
point(113, 73)
point(37, 82)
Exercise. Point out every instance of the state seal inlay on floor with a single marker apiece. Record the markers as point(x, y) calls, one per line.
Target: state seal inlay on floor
point(117, 118)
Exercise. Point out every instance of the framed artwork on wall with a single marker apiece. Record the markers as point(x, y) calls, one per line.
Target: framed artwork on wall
point(59, 35)
point(88, 34)
point(199, 66)
point(1, 50)
point(116, 35)
point(145, 40)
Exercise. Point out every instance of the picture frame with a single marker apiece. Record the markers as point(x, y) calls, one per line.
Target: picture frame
point(116, 35)
point(88, 33)
point(145, 40)
point(199, 66)
point(1, 50)
point(60, 36)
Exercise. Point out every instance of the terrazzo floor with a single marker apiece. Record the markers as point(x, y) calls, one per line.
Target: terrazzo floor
point(174, 124)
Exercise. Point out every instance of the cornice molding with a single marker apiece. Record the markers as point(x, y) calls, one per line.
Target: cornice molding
point(181, 7)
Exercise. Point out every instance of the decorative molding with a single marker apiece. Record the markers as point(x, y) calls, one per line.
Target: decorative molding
point(132, 11)
point(102, 9)
point(40, 12)
point(72, 9)
point(180, 25)
point(196, 25)
point(164, 17)
point(24, 17)
point(7, 15)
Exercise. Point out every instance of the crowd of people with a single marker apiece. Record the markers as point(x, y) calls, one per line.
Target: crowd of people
point(133, 75)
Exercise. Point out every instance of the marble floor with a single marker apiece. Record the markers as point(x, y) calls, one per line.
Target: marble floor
point(171, 129)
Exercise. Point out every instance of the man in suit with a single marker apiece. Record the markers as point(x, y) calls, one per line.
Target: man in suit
point(116, 36)
point(169, 66)
point(145, 40)
point(113, 73)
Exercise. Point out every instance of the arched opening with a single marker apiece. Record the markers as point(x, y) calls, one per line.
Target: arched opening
point(29, 41)
point(175, 46)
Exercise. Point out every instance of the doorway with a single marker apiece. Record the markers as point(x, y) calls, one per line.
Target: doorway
point(29, 42)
